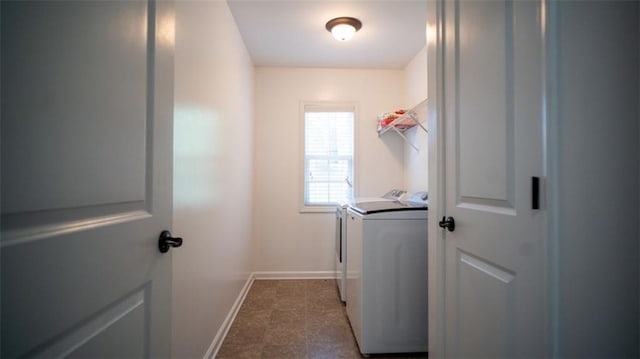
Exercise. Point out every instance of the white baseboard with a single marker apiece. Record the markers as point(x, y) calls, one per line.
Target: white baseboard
point(295, 275)
point(226, 325)
point(212, 352)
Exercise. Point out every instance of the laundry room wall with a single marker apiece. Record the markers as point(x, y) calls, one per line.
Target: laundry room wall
point(213, 149)
point(594, 180)
point(416, 161)
point(287, 240)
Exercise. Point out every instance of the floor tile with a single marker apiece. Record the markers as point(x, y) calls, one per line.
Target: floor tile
point(292, 283)
point(328, 333)
point(287, 317)
point(254, 318)
point(260, 284)
point(289, 334)
point(240, 351)
point(327, 317)
point(243, 334)
point(262, 293)
point(254, 303)
point(342, 350)
point(321, 303)
point(322, 285)
point(295, 319)
point(295, 351)
point(289, 304)
point(293, 292)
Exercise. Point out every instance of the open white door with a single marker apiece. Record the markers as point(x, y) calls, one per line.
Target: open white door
point(489, 100)
point(87, 102)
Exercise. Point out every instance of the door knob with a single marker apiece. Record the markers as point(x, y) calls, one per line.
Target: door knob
point(165, 242)
point(449, 223)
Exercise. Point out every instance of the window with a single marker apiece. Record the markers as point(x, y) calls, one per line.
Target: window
point(328, 153)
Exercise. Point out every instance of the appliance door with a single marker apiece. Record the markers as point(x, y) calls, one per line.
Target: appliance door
point(340, 253)
point(354, 273)
point(338, 236)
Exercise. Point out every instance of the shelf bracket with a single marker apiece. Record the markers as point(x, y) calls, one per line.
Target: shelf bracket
point(413, 117)
point(406, 139)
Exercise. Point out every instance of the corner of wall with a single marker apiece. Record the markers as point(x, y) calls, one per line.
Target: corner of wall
point(415, 162)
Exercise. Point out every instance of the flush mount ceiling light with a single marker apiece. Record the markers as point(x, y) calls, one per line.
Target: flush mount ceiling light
point(343, 28)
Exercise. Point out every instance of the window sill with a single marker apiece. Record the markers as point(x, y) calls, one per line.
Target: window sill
point(319, 209)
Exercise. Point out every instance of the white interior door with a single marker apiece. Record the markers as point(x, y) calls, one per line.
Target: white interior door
point(492, 115)
point(87, 94)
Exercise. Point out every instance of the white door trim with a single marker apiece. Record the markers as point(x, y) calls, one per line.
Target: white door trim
point(436, 264)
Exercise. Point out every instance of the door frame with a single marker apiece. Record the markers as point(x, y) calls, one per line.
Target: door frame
point(436, 172)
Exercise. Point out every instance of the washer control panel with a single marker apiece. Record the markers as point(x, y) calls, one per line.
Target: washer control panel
point(418, 197)
point(395, 194)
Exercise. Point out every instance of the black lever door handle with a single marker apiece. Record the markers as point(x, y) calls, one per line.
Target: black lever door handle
point(449, 223)
point(165, 242)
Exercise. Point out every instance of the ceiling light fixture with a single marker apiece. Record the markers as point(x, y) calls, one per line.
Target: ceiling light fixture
point(343, 28)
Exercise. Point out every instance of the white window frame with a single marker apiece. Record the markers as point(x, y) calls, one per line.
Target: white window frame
point(327, 106)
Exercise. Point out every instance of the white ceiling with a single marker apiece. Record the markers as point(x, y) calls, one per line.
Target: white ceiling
point(292, 33)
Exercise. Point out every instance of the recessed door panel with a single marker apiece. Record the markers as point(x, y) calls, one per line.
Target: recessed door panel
point(113, 331)
point(484, 120)
point(87, 93)
point(74, 114)
point(483, 301)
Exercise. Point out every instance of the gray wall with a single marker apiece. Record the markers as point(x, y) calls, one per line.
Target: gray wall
point(598, 187)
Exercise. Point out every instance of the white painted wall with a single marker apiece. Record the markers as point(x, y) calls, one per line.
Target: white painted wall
point(287, 240)
point(415, 79)
point(415, 162)
point(213, 154)
point(597, 120)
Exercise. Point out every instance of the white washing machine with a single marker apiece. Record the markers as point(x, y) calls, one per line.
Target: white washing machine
point(341, 235)
point(387, 275)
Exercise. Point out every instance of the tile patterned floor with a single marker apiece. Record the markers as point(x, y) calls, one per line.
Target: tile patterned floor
point(297, 319)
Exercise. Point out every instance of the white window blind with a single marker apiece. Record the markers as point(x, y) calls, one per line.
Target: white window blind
point(328, 154)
